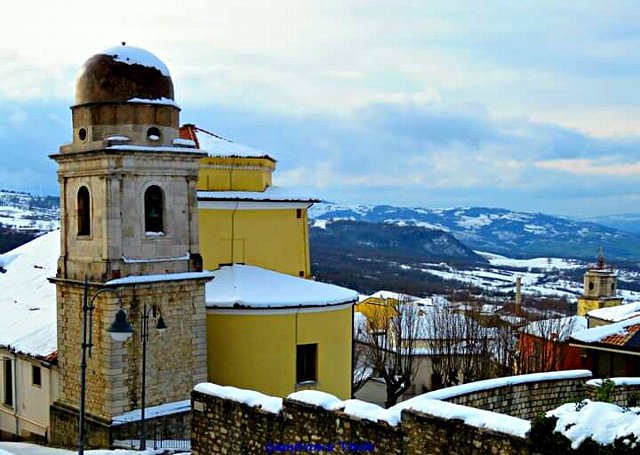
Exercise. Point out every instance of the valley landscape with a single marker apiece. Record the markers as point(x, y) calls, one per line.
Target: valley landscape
point(471, 252)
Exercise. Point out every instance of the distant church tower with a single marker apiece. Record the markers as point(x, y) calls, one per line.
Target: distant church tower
point(129, 221)
point(600, 288)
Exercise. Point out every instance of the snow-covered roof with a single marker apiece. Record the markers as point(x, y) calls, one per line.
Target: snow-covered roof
point(616, 334)
point(272, 193)
point(142, 279)
point(216, 145)
point(616, 313)
point(560, 329)
point(251, 287)
point(136, 56)
point(151, 412)
point(27, 299)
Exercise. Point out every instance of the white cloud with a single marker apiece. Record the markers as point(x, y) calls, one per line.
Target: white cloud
point(591, 167)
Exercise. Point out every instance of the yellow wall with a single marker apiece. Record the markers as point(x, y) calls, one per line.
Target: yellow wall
point(377, 311)
point(258, 352)
point(272, 239)
point(585, 304)
point(235, 174)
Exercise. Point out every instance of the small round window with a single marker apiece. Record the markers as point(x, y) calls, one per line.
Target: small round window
point(153, 134)
point(591, 285)
point(82, 134)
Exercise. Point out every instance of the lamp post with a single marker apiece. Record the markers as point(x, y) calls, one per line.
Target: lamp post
point(119, 330)
point(124, 332)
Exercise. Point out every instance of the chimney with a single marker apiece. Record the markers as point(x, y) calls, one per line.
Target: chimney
point(518, 296)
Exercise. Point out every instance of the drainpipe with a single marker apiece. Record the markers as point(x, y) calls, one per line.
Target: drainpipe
point(233, 232)
point(15, 394)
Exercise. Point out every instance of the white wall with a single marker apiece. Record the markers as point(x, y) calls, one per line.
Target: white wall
point(30, 411)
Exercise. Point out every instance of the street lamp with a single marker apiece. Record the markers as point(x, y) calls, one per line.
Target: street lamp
point(125, 331)
point(120, 330)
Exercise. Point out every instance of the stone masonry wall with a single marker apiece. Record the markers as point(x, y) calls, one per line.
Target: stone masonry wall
point(221, 426)
point(622, 395)
point(524, 401)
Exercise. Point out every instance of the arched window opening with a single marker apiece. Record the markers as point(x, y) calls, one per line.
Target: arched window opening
point(84, 211)
point(153, 210)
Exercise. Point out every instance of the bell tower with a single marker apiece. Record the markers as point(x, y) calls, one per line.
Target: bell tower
point(128, 222)
point(600, 288)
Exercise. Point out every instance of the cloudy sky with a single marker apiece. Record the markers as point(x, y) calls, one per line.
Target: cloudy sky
point(527, 105)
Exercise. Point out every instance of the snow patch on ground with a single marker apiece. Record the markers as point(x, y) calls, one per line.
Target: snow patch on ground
point(603, 422)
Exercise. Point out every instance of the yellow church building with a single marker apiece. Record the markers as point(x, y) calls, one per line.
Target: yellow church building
point(291, 333)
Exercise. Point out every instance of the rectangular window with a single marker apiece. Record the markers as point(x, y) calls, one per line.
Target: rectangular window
point(8, 382)
point(298, 213)
point(36, 376)
point(306, 363)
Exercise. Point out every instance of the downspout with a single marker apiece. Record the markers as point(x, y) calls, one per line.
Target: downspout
point(65, 226)
point(233, 232)
point(307, 246)
point(353, 350)
point(15, 394)
point(295, 372)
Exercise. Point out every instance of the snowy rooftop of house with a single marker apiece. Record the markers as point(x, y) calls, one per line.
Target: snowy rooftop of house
point(272, 193)
point(251, 287)
point(136, 56)
point(382, 294)
point(616, 313)
point(27, 299)
point(216, 145)
point(556, 328)
point(615, 334)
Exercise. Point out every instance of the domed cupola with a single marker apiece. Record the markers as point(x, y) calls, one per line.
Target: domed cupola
point(124, 96)
point(121, 74)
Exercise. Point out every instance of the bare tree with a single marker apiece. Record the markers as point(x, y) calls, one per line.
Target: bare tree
point(462, 347)
point(389, 344)
point(362, 369)
point(543, 344)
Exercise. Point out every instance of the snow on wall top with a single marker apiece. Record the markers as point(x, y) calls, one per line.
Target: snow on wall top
point(369, 411)
point(272, 193)
point(248, 397)
point(617, 381)
point(471, 387)
point(27, 299)
point(251, 287)
point(616, 313)
point(137, 56)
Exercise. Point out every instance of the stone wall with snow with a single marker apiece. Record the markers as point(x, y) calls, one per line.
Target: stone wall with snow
point(523, 396)
point(231, 420)
point(224, 425)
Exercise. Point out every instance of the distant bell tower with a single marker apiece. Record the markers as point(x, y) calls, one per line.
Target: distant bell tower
point(129, 221)
point(600, 288)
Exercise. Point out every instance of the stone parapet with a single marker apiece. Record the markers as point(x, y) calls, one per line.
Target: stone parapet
point(223, 426)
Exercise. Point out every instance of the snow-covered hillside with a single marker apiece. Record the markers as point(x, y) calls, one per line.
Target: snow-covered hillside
point(27, 212)
point(514, 234)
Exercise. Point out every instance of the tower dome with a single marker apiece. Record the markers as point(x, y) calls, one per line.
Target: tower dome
point(121, 74)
